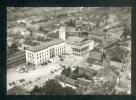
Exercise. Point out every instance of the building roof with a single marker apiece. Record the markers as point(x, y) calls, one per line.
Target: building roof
point(118, 53)
point(17, 90)
point(88, 70)
point(66, 79)
point(75, 40)
point(45, 45)
point(95, 55)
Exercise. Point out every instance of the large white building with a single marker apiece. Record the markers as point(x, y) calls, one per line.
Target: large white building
point(45, 51)
point(72, 45)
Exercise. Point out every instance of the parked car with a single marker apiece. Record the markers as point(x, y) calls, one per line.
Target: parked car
point(61, 59)
point(49, 61)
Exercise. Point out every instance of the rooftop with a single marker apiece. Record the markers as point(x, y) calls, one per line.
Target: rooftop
point(89, 70)
point(95, 55)
point(45, 45)
point(77, 40)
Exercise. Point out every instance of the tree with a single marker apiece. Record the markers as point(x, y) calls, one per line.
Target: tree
point(69, 69)
point(41, 29)
point(71, 23)
point(53, 87)
point(14, 46)
point(76, 70)
point(126, 32)
point(69, 90)
point(66, 71)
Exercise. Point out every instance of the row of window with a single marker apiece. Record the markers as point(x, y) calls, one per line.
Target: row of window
point(30, 55)
point(42, 56)
point(30, 60)
point(80, 50)
point(76, 54)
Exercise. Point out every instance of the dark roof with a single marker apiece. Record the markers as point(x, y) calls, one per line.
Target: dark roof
point(45, 45)
point(66, 79)
point(117, 58)
point(109, 44)
point(17, 90)
point(53, 35)
point(118, 53)
point(95, 55)
point(89, 70)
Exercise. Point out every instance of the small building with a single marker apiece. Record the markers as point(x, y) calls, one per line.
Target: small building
point(95, 57)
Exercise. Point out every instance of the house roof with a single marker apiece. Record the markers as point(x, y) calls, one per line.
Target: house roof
point(45, 45)
point(75, 40)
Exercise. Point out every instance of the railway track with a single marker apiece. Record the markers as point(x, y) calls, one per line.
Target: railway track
point(16, 60)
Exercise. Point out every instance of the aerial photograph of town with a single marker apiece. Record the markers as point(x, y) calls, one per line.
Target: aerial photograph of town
point(68, 51)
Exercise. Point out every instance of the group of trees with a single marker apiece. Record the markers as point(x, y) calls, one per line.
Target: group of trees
point(66, 71)
point(52, 87)
point(73, 74)
point(12, 49)
point(71, 23)
point(126, 32)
